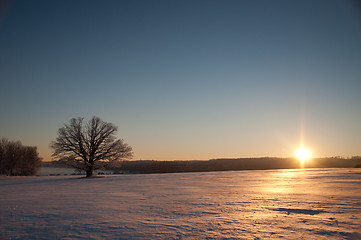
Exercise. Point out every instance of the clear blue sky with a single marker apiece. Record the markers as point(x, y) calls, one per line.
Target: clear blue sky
point(186, 79)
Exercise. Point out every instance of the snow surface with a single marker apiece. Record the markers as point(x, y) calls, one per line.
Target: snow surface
point(270, 204)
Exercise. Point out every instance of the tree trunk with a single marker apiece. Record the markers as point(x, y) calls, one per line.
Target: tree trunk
point(89, 172)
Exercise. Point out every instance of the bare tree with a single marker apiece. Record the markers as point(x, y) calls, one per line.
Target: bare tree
point(16, 159)
point(89, 146)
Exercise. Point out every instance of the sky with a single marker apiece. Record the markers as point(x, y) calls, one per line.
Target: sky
point(186, 79)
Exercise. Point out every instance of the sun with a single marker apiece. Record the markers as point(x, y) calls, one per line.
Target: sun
point(303, 154)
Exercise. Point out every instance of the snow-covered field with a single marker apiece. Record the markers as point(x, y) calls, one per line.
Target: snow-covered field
point(272, 204)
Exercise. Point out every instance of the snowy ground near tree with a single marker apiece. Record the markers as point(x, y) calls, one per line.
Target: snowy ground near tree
point(271, 204)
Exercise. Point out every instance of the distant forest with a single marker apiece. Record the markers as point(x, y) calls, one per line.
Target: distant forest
point(152, 166)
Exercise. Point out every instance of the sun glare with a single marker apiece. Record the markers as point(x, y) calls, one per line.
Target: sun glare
point(302, 154)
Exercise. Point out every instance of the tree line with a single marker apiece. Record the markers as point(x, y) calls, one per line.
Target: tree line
point(235, 164)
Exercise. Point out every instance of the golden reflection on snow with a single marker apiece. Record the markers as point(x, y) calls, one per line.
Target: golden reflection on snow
point(282, 181)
